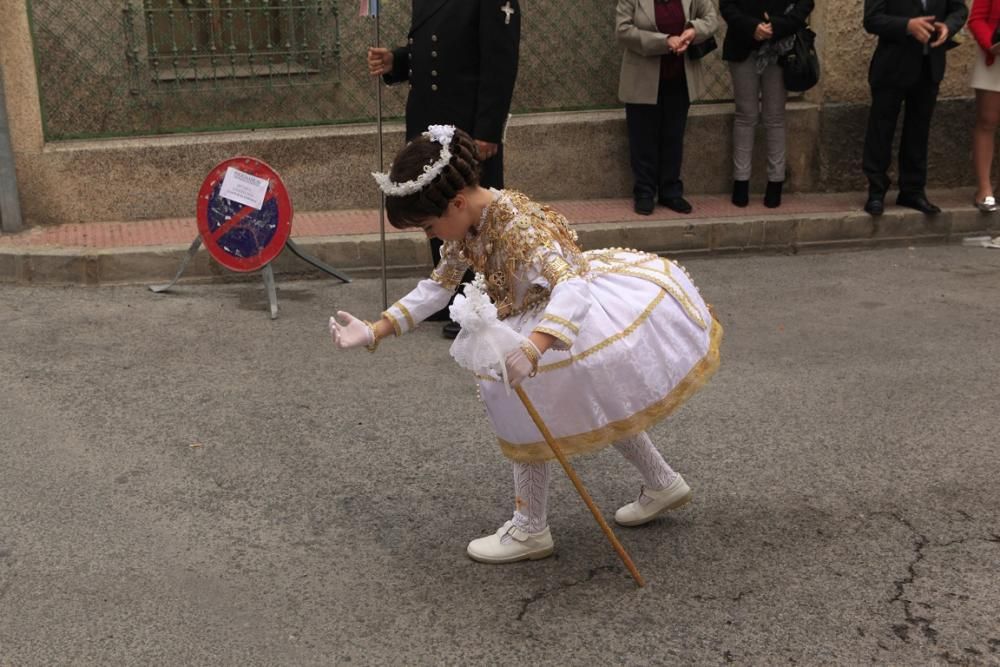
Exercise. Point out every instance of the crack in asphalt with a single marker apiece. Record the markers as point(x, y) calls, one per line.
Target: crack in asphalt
point(922, 623)
point(526, 602)
point(920, 542)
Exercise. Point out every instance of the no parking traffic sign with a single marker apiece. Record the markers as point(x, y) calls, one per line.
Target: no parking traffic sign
point(244, 214)
point(244, 219)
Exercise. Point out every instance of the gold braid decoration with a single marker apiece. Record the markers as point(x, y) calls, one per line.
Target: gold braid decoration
point(371, 347)
point(531, 352)
point(449, 271)
point(514, 231)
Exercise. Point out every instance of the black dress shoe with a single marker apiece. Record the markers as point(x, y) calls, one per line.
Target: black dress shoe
point(678, 204)
point(874, 206)
point(917, 201)
point(643, 205)
point(451, 330)
point(741, 193)
point(772, 195)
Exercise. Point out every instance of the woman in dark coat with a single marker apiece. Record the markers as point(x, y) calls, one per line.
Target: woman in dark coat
point(759, 31)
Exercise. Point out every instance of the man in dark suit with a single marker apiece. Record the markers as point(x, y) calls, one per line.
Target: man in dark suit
point(907, 67)
point(461, 62)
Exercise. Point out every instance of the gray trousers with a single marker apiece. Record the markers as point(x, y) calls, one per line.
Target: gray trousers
point(758, 95)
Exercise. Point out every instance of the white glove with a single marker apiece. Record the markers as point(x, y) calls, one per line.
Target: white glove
point(350, 331)
point(522, 362)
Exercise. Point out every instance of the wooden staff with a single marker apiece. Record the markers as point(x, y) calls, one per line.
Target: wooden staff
point(535, 417)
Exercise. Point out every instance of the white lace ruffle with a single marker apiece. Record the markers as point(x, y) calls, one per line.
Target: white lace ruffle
point(441, 134)
point(484, 341)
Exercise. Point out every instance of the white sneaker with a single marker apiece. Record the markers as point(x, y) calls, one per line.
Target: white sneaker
point(987, 204)
point(522, 545)
point(651, 504)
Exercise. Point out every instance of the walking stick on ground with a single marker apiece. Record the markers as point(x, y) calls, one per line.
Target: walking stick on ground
point(571, 473)
point(481, 347)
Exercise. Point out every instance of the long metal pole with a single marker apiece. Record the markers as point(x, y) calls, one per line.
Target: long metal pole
point(10, 205)
point(381, 167)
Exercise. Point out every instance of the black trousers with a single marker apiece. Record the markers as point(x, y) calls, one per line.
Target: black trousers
point(918, 102)
point(656, 141)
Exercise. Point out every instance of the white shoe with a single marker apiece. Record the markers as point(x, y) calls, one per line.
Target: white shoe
point(522, 545)
point(987, 204)
point(651, 504)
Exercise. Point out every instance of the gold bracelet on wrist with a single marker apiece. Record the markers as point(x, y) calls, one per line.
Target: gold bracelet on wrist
point(531, 352)
point(371, 347)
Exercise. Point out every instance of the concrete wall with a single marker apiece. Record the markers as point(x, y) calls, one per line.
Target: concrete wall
point(552, 156)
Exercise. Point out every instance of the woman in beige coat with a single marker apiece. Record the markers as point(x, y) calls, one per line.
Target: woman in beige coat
point(658, 81)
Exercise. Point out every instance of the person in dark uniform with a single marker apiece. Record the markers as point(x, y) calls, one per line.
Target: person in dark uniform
point(907, 67)
point(460, 60)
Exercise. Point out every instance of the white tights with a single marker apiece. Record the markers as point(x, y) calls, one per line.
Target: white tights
point(531, 480)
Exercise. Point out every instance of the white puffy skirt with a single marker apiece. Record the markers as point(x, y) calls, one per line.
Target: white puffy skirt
point(648, 343)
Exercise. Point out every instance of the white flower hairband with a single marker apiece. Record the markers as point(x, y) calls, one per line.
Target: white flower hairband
point(442, 134)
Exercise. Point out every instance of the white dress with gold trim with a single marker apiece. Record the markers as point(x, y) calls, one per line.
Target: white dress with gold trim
point(634, 339)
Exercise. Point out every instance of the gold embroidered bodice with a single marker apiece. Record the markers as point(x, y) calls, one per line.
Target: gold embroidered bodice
point(522, 248)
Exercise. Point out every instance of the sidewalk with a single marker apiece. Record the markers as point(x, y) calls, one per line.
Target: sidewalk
point(151, 250)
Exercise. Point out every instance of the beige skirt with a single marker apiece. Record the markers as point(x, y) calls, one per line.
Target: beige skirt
point(985, 77)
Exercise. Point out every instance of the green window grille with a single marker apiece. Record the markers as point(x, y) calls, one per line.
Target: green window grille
point(172, 44)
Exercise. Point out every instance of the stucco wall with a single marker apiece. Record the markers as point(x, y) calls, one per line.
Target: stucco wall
point(551, 156)
point(847, 49)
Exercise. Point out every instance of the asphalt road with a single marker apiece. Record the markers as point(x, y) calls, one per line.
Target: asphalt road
point(185, 482)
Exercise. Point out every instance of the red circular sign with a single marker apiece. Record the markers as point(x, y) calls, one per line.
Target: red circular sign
point(240, 234)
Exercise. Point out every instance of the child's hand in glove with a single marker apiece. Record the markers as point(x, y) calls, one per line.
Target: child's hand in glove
point(522, 362)
point(350, 331)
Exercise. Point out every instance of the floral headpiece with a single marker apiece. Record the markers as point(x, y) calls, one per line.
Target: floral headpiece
point(441, 134)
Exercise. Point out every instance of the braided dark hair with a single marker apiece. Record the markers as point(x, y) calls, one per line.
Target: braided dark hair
point(431, 202)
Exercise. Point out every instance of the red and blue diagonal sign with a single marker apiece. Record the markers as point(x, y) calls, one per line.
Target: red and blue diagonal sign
point(241, 237)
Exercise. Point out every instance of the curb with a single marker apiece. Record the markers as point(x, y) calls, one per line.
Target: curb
point(407, 254)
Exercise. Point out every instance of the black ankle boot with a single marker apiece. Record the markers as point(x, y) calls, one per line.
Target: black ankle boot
point(741, 193)
point(772, 195)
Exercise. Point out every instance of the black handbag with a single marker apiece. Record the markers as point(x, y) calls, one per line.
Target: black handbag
point(702, 49)
point(801, 64)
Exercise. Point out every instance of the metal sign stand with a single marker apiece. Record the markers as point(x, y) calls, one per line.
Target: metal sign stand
point(246, 238)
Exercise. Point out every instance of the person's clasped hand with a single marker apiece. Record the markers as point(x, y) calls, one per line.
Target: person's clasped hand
point(522, 362)
point(487, 149)
point(379, 61)
point(763, 32)
point(941, 30)
point(350, 331)
point(676, 45)
point(922, 28)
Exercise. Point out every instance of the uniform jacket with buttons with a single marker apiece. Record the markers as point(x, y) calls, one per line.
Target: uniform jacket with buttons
point(899, 58)
point(461, 63)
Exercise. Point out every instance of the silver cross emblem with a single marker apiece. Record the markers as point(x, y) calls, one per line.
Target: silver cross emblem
point(509, 11)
